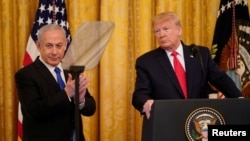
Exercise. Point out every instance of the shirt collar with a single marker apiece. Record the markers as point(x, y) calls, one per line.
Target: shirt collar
point(51, 68)
point(179, 50)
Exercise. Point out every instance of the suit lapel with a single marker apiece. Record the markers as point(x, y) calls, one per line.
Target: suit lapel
point(45, 73)
point(191, 68)
point(168, 69)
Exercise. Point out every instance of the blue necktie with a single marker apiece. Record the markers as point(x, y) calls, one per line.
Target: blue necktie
point(59, 78)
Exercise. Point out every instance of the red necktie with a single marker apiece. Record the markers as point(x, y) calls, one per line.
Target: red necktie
point(180, 73)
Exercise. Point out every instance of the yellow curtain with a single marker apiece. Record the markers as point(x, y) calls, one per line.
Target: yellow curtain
point(112, 81)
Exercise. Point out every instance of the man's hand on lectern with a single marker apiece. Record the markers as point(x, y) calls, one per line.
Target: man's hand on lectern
point(147, 107)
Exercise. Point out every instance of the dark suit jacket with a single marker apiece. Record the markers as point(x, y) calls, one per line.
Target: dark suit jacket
point(48, 115)
point(156, 78)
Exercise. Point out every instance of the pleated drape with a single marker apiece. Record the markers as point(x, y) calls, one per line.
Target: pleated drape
point(112, 81)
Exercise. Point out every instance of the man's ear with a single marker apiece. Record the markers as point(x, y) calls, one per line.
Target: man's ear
point(179, 31)
point(38, 44)
point(66, 45)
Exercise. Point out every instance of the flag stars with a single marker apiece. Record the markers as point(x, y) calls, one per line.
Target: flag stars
point(223, 8)
point(67, 25)
point(45, 15)
point(42, 8)
point(56, 9)
point(37, 33)
point(56, 22)
point(49, 21)
point(50, 8)
point(62, 11)
point(237, 2)
point(245, 2)
point(63, 24)
point(228, 5)
point(40, 20)
point(247, 42)
point(218, 14)
point(69, 38)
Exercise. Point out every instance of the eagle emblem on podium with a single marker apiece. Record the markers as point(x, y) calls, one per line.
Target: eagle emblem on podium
point(197, 123)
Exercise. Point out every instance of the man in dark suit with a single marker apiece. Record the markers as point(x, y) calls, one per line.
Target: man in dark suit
point(155, 73)
point(48, 111)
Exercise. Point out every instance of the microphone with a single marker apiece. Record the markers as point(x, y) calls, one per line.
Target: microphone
point(196, 53)
point(194, 50)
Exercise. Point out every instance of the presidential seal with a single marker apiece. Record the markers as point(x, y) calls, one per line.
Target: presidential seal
point(196, 127)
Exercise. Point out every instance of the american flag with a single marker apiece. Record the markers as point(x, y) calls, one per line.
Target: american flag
point(48, 12)
point(231, 42)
